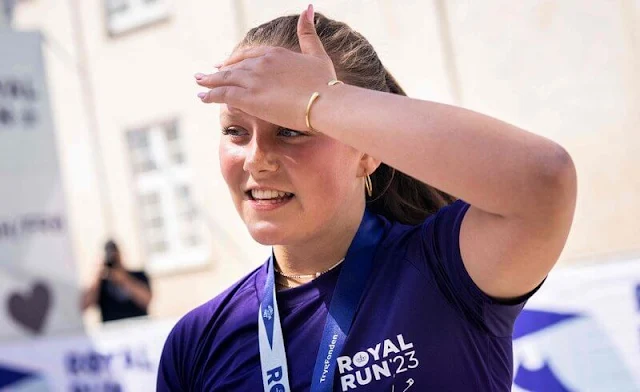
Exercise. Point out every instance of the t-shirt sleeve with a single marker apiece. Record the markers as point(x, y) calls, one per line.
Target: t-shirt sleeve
point(441, 243)
point(170, 371)
point(174, 372)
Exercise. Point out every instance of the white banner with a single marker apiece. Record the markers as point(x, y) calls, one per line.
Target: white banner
point(122, 356)
point(38, 289)
point(581, 331)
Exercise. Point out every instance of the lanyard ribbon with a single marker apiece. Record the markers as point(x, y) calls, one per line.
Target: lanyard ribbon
point(348, 291)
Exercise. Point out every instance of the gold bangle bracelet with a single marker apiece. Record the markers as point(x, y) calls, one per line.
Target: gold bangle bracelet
point(313, 98)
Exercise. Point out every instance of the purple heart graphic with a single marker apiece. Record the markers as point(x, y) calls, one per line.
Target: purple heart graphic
point(30, 310)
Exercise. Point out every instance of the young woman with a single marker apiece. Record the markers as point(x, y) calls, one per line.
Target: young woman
point(377, 281)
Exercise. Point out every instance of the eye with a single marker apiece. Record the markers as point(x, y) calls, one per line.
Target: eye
point(289, 133)
point(233, 131)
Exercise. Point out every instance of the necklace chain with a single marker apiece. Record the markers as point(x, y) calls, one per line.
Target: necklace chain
point(309, 276)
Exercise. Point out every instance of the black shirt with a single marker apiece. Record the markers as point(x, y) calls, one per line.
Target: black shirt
point(115, 303)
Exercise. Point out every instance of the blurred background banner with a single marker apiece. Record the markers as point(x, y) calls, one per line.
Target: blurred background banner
point(580, 331)
point(38, 289)
point(121, 357)
point(562, 342)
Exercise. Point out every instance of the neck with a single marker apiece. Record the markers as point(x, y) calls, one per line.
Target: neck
point(321, 252)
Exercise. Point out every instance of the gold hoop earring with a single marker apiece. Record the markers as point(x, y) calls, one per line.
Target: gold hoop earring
point(368, 185)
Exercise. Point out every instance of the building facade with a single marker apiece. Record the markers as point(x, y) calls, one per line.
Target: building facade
point(139, 150)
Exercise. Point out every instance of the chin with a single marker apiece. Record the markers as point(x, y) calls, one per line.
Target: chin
point(266, 233)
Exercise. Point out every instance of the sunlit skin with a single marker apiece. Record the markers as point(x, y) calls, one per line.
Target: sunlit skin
point(521, 186)
point(324, 175)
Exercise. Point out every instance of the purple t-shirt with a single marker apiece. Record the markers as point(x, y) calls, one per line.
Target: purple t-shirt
point(421, 325)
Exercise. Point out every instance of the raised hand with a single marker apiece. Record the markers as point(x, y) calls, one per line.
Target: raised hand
point(273, 83)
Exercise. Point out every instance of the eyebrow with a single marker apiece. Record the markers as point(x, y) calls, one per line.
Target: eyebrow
point(227, 116)
point(233, 116)
point(232, 113)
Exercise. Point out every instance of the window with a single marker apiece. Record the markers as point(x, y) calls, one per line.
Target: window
point(125, 15)
point(171, 226)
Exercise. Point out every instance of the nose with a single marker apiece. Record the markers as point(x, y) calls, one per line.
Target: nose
point(260, 157)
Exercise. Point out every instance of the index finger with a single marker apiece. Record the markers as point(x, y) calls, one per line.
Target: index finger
point(245, 53)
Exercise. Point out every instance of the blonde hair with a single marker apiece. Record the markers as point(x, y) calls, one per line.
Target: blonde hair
point(396, 196)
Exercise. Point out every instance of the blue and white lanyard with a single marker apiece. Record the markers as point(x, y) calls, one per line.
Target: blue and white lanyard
point(348, 291)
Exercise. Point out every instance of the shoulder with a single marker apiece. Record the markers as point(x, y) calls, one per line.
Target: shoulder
point(188, 331)
point(442, 222)
point(426, 245)
point(200, 327)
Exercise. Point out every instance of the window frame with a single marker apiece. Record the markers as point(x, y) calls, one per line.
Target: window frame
point(138, 17)
point(164, 182)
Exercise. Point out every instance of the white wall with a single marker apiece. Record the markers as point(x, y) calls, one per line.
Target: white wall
point(567, 70)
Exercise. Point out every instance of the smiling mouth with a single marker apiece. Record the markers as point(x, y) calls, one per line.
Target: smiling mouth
point(268, 196)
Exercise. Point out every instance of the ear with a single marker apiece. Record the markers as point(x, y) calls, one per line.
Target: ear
point(368, 165)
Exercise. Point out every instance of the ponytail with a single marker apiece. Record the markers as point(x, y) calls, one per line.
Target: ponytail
point(399, 197)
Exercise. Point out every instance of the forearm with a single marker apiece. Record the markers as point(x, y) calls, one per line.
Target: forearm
point(90, 294)
point(493, 165)
point(89, 297)
point(139, 292)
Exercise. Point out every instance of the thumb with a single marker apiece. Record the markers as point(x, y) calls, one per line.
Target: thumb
point(307, 36)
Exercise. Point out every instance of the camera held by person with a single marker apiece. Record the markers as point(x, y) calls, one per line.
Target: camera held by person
point(120, 293)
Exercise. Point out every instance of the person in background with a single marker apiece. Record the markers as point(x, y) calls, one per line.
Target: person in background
point(118, 292)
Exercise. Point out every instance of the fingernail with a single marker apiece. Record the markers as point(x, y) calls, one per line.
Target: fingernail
point(202, 95)
point(199, 76)
point(310, 13)
point(218, 65)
